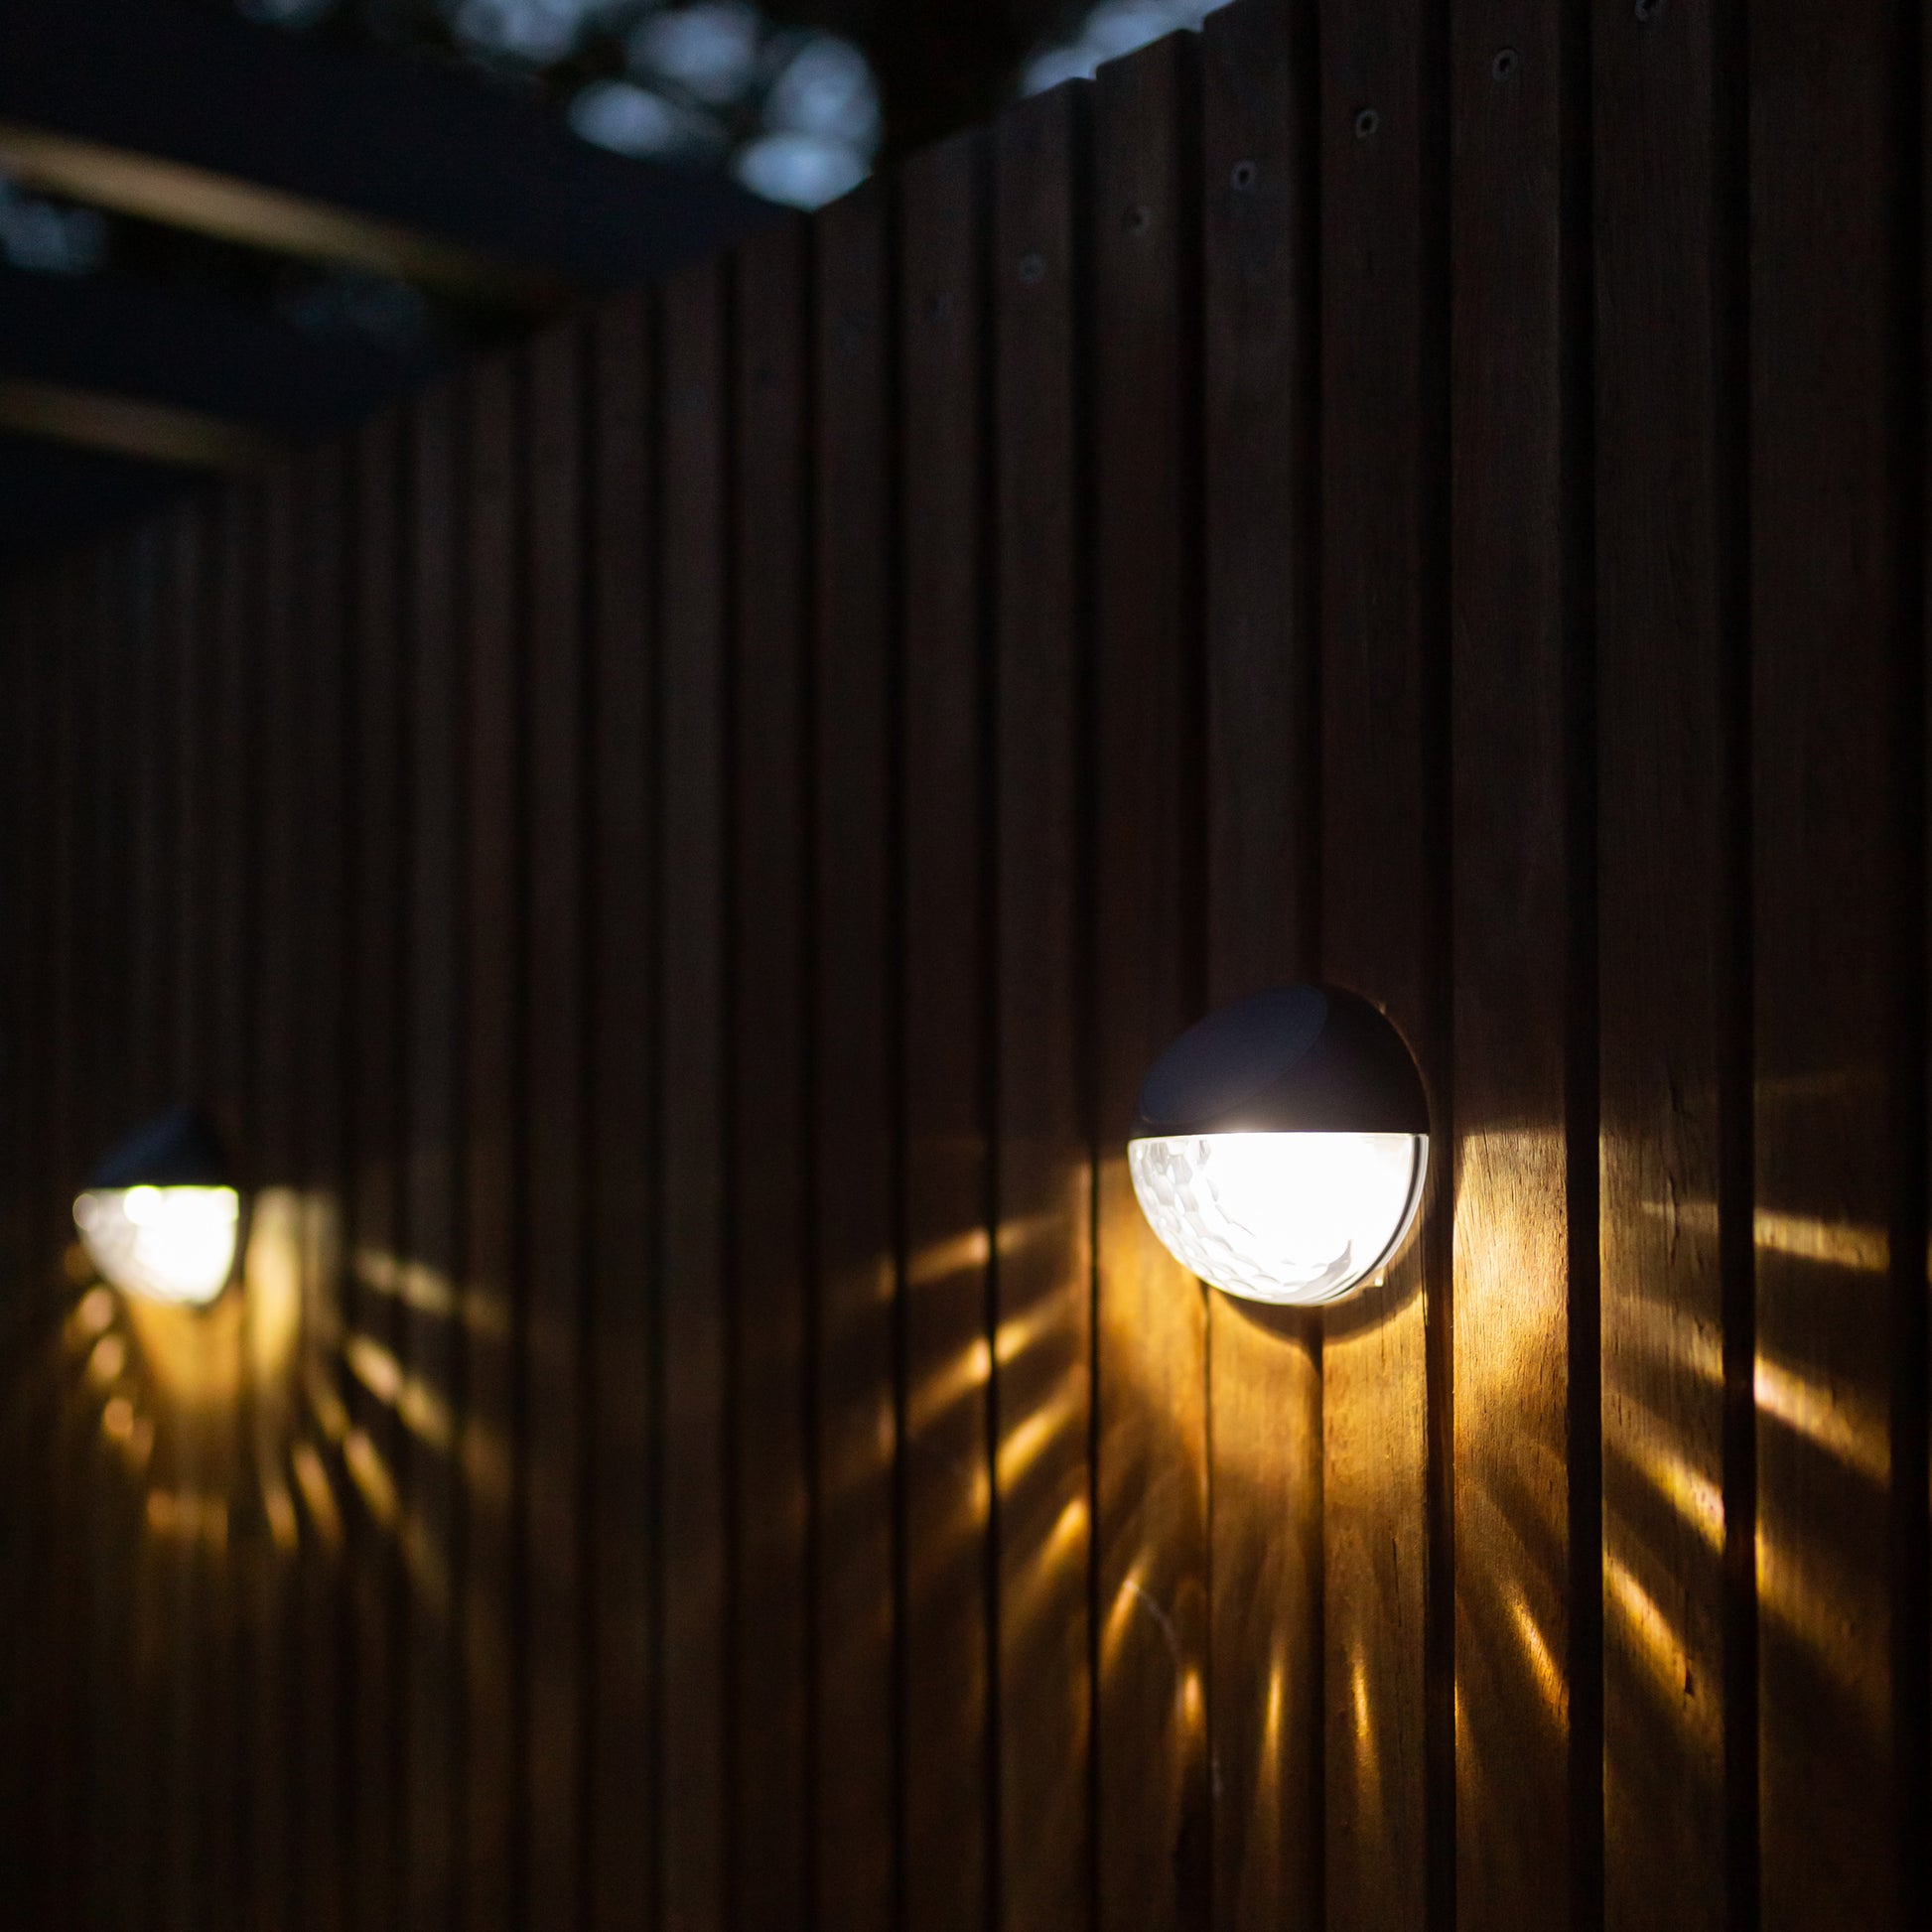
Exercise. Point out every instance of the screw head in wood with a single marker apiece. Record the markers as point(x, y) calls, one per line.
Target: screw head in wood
point(1032, 269)
point(1245, 175)
point(1504, 65)
point(1367, 123)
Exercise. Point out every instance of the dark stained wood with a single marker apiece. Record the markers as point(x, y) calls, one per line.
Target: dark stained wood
point(856, 1611)
point(1263, 923)
point(377, 964)
point(765, 1192)
point(622, 1418)
point(1382, 806)
point(1042, 1179)
point(1824, 534)
point(493, 758)
point(946, 1471)
point(554, 1242)
point(1669, 772)
point(427, 1393)
point(259, 899)
point(690, 1106)
point(1154, 1855)
point(1512, 1265)
point(318, 775)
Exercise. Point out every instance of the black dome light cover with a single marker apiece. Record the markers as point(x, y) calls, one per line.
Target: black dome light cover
point(177, 1149)
point(1295, 1060)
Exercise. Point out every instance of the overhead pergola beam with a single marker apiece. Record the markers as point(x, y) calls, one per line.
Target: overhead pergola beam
point(232, 209)
point(126, 426)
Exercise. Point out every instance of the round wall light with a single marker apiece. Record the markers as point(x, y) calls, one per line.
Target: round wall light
point(1282, 1146)
point(161, 1217)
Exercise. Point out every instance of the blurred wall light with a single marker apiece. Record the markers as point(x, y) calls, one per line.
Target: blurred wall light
point(161, 1218)
point(1282, 1146)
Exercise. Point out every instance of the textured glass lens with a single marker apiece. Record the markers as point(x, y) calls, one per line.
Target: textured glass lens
point(1280, 1217)
point(170, 1244)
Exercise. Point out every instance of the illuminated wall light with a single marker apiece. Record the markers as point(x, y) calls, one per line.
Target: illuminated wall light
point(1282, 1146)
point(160, 1218)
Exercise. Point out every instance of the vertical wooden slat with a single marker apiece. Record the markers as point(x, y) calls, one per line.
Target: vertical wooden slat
point(945, 1468)
point(1154, 1823)
point(183, 1467)
point(554, 1240)
point(493, 1141)
point(768, 1239)
point(622, 1415)
point(1669, 773)
point(376, 962)
point(423, 1285)
point(855, 1719)
point(689, 1106)
point(1513, 1271)
point(1826, 178)
point(1382, 896)
point(1042, 1181)
point(265, 661)
point(320, 777)
point(1263, 925)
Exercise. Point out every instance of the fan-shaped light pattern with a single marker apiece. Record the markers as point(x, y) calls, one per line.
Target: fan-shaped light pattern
point(1113, 28)
point(169, 1244)
point(1282, 1217)
point(801, 170)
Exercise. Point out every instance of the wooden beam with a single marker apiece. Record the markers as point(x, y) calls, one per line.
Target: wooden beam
point(149, 432)
point(232, 209)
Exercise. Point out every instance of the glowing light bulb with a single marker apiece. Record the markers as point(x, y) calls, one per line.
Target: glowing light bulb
point(1282, 1144)
point(159, 1218)
point(170, 1244)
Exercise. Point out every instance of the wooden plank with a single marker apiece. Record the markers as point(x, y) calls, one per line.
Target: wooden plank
point(434, 671)
point(554, 1242)
point(377, 965)
point(854, 1120)
point(623, 1415)
point(1042, 1179)
point(324, 1765)
point(1263, 928)
point(946, 933)
point(1671, 766)
point(1155, 1824)
point(690, 1107)
point(1826, 184)
point(259, 899)
point(1513, 1268)
point(1384, 897)
point(183, 1467)
point(494, 780)
point(767, 1241)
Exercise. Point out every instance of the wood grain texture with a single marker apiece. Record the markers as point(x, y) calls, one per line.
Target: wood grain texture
point(766, 1215)
point(554, 1251)
point(427, 1393)
point(1670, 769)
point(857, 1730)
point(623, 1419)
point(321, 781)
point(377, 962)
point(1823, 541)
point(1044, 1177)
point(494, 765)
point(1512, 1266)
point(1382, 641)
point(1260, 513)
point(1154, 1855)
point(947, 938)
point(690, 1106)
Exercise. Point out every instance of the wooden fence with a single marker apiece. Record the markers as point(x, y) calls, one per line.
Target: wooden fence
point(669, 857)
